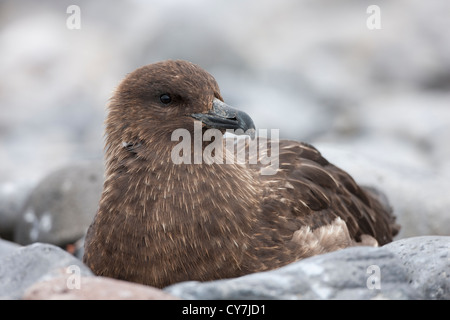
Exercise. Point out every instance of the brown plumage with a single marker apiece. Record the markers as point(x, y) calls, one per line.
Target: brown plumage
point(159, 222)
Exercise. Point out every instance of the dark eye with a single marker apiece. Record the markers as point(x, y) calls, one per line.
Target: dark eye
point(165, 98)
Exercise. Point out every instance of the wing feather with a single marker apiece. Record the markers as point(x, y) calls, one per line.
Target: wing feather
point(311, 192)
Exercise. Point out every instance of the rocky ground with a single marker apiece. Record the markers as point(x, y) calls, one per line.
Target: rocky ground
point(411, 268)
point(374, 102)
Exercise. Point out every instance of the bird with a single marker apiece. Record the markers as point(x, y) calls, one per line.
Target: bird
point(161, 221)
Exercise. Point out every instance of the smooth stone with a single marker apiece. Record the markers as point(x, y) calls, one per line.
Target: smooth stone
point(62, 206)
point(427, 260)
point(36, 262)
point(7, 247)
point(342, 274)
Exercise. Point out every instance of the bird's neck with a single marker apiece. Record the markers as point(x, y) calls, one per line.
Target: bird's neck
point(159, 192)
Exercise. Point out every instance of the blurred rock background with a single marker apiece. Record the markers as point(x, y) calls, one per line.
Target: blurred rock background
point(375, 102)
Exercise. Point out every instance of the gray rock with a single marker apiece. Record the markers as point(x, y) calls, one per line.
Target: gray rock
point(12, 200)
point(427, 260)
point(37, 262)
point(400, 270)
point(6, 247)
point(61, 207)
point(338, 275)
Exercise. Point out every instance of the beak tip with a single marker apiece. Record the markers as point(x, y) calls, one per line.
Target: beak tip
point(224, 117)
point(252, 133)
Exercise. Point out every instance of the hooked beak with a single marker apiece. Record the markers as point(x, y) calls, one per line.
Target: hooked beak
point(223, 117)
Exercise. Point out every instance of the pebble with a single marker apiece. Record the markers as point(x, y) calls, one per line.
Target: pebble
point(27, 265)
point(61, 207)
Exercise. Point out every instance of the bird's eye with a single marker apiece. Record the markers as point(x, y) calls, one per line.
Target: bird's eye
point(165, 98)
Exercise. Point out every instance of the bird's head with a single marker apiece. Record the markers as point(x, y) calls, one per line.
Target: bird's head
point(168, 95)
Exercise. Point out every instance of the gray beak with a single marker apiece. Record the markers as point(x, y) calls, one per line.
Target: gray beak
point(223, 117)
